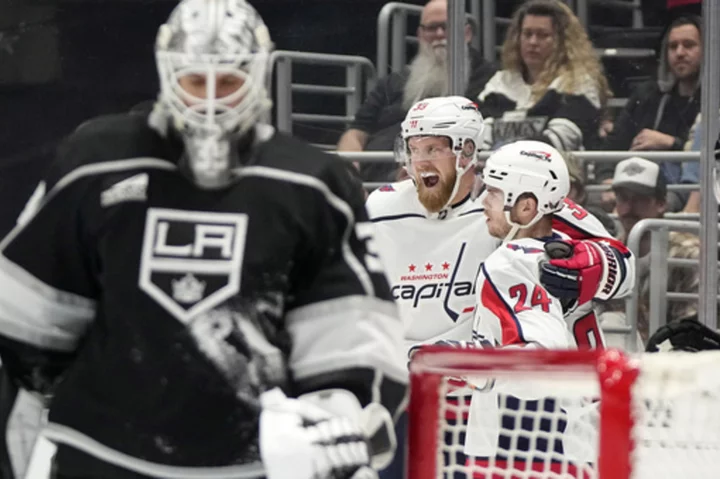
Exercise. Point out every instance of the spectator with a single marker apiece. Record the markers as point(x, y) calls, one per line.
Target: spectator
point(659, 115)
point(640, 193)
point(691, 169)
point(551, 83)
point(640, 190)
point(377, 122)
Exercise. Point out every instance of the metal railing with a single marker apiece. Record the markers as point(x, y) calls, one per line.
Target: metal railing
point(630, 53)
point(393, 37)
point(360, 74)
point(673, 216)
point(596, 156)
point(679, 187)
point(582, 10)
point(489, 23)
point(659, 262)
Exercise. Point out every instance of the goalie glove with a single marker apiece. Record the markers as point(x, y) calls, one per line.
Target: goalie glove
point(580, 270)
point(685, 335)
point(324, 435)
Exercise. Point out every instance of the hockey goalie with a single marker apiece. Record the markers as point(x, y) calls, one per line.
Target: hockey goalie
point(196, 290)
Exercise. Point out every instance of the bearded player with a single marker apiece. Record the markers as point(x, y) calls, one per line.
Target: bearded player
point(432, 236)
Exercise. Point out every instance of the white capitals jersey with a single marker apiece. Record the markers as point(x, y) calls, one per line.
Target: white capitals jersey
point(514, 309)
point(432, 260)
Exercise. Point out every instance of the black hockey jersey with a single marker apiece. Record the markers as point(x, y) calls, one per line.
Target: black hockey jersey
point(182, 305)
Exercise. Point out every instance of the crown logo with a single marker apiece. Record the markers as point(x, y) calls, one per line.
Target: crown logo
point(633, 169)
point(188, 289)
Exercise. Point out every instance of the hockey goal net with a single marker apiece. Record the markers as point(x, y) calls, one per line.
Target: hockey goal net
point(563, 414)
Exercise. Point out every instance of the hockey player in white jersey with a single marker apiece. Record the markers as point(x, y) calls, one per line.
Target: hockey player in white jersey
point(526, 184)
point(432, 236)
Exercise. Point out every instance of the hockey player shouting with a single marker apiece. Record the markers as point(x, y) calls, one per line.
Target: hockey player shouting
point(178, 276)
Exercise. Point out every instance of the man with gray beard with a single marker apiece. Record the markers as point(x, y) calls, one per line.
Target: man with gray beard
point(377, 122)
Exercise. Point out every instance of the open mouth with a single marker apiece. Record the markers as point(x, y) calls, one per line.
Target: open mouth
point(430, 179)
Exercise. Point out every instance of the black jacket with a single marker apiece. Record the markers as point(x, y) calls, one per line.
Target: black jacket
point(656, 105)
point(649, 107)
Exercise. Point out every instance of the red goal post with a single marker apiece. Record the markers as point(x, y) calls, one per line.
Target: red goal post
point(650, 416)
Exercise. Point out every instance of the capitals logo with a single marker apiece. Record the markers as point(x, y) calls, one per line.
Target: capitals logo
point(538, 155)
point(437, 281)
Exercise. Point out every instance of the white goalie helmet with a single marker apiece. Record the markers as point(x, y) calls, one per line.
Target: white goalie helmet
point(529, 167)
point(221, 44)
point(213, 38)
point(454, 117)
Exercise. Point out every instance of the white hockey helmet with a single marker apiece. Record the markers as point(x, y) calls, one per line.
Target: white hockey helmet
point(210, 45)
point(453, 117)
point(528, 167)
point(213, 38)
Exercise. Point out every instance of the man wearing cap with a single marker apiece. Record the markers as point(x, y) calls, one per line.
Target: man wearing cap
point(640, 190)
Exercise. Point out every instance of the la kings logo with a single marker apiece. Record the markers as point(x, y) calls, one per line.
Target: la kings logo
point(510, 127)
point(191, 260)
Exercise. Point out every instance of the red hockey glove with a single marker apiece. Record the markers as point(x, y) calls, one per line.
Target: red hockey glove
point(580, 269)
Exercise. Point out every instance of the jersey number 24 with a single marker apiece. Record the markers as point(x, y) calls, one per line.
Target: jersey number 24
point(538, 297)
point(585, 330)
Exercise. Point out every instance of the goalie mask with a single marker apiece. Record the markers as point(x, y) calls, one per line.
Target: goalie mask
point(212, 58)
point(526, 167)
point(438, 132)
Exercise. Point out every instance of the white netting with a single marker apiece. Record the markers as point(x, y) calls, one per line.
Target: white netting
point(542, 418)
point(521, 429)
point(677, 402)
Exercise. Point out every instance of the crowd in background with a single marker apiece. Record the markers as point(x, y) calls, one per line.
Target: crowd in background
point(551, 85)
point(548, 84)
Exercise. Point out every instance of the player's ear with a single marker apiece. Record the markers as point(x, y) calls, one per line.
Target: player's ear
point(468, 153)
point(526, 208)
point(529, 204)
